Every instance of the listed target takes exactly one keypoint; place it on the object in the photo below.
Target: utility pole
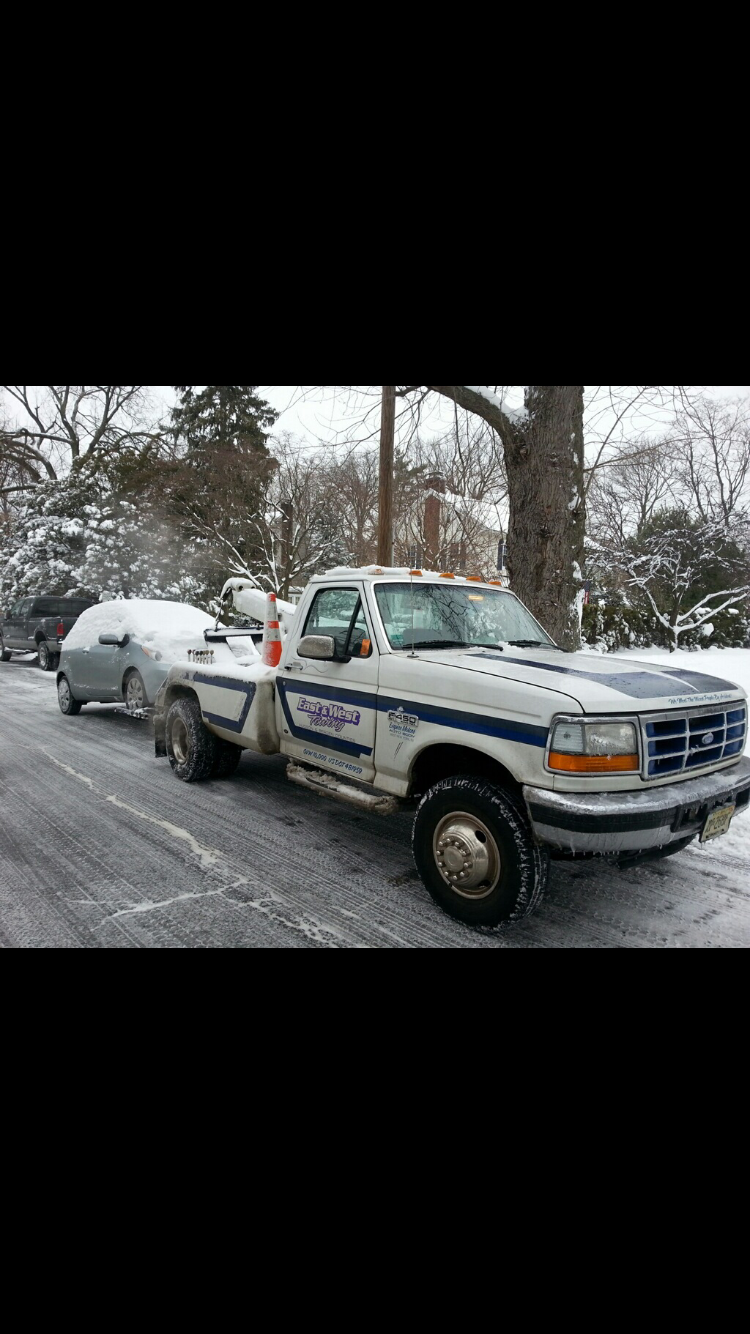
(385, 502)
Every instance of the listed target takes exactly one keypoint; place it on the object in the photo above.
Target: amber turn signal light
(592, 764)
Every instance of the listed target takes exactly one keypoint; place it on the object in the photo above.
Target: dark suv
(39, 625)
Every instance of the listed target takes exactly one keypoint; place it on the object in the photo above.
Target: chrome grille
(676, 743)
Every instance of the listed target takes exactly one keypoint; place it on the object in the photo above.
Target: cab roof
(373, 572)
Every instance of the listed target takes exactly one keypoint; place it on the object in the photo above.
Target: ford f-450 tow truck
(395, 684)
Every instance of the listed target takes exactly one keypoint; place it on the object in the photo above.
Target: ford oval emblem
(708, 738)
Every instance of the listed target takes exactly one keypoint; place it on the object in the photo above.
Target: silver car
(123, 650)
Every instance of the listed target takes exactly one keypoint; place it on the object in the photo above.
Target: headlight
(579, 747)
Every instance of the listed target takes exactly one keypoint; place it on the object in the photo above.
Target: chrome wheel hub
(466, 855)
(134, 694)
(180, 741)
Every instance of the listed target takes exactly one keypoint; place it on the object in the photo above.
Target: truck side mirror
(322, 648)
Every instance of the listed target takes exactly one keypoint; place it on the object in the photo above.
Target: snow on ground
(733, 664)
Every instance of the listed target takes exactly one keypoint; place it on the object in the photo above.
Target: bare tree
(452, 515)
(624, 497)
(57, 427)
(283, 538)
(353, 477)
(712, 441)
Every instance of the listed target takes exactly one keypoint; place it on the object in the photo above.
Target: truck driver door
(327, 711)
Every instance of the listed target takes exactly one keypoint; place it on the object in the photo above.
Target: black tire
(479, 833)
(55, 661)
(228, 757)
(134, 691)
(68, 705)
(4, 652)
(46, 659)
(191, 748)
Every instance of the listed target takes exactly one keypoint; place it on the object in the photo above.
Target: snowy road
(101, 846)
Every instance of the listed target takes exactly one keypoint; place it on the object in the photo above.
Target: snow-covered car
(123, 650)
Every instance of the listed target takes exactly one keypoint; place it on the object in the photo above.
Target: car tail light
(60, 630)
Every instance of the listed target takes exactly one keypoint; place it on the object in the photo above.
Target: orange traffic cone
(271, 650)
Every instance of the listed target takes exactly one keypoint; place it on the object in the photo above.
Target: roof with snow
(400, 572)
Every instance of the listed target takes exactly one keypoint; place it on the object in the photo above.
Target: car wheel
(65, 697)
(476, 854)
(46, 660)
(135, 691)
(4, 653)
(191, 748)
(228, 757)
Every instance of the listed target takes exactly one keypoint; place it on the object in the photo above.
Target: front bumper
(615, 822)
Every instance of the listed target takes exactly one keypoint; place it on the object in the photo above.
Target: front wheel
(4, 654)
(65, 698)
(191, 748)
(46, 660)
(476, 854)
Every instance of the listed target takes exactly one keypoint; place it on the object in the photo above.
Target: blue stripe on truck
(508, 729)
(225, 683)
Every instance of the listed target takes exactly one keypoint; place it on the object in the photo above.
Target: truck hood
(598, 684)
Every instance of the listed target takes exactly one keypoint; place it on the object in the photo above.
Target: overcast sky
(327, 412)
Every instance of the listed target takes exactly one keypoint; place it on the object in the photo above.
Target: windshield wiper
(533, 643)
(455, 643)
(440, 643)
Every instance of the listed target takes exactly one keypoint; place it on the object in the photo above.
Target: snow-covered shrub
(80, 536)
(615, 624)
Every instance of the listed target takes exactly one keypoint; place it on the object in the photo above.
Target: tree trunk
(544, 461)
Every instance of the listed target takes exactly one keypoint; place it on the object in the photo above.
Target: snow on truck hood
(598, 684)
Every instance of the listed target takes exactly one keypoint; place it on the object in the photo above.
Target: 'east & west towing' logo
(333, 717)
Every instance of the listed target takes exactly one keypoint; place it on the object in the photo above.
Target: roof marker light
(417, 572)
(447, 576)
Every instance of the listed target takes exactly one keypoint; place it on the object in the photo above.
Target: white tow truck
(397, 684)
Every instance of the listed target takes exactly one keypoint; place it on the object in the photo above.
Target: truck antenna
(411, 582)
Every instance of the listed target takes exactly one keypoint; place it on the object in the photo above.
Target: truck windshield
(455, 616)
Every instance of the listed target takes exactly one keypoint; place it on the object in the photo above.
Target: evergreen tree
(221, 468)
(223, 419)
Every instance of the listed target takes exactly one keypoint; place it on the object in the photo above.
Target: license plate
(717, 823)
